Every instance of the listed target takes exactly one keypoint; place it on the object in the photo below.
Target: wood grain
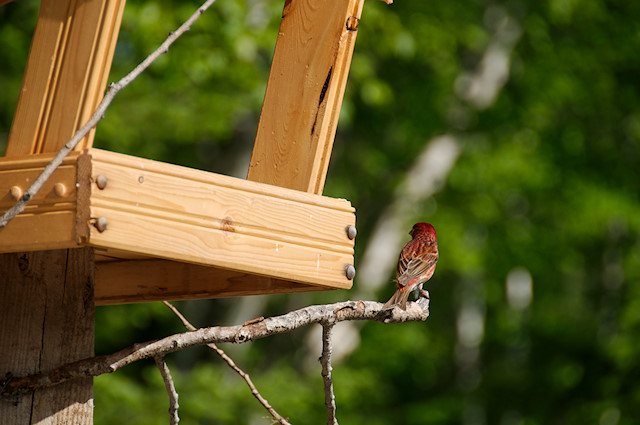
(50, 221)
(134, 281)
(256, 238)
(304, 94)
(171, 212)
(66, 74)
(47, 311)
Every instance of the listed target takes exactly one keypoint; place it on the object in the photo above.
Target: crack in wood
(325, 86)
(323, 93)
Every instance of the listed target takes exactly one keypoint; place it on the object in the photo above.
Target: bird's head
(423, 229)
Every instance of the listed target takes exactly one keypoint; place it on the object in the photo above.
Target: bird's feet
(424, 294)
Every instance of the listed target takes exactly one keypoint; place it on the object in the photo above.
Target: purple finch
(416, 264)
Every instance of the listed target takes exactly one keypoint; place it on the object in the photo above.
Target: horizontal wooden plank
(34, 161)
(121, 282)
(50, 219)
(176, 213)
(106, 157)
(171, 239)
(50, 194)
(40, 231)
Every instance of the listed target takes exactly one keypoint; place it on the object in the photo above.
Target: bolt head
(101, 181)
(351, 232)
(350, 271)
(101, 224)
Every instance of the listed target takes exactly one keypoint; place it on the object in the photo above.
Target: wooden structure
(111, 228)
(162, 231)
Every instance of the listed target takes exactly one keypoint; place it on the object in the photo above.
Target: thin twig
(252, 330)
(114, 88)
(233, 366)
(174, 419)
(325, 361)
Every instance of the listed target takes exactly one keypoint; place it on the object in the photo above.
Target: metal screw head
(101, 224)
(351, 232)
(101, 181)
(350, 271)
(352, 23)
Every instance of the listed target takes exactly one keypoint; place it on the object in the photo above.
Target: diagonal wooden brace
(66, 74)
(304, 93)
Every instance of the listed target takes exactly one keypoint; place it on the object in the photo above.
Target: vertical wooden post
(46, 297)
(46, 320)
(304, 93)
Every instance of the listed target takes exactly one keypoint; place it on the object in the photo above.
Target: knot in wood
(252, 329)
(243, 335)
(227, 224)
(349, 311)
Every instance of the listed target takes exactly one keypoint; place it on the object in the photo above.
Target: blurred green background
(513, 126)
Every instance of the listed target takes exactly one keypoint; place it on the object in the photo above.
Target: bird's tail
(399, 298)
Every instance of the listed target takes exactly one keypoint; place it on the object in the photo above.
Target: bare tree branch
(325, 361)
(233, 366)
(114, 88)
(174, 419)
(254, 329)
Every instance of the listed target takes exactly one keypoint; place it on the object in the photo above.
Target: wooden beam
(304, 93)
(66, 74)
(171, 212)
(134, 281)
(51, 220)
(257, 238)
(47, 316)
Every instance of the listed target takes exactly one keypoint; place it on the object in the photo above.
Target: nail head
(350, 271)
(101, 224)
(351, 232)
(101, 181)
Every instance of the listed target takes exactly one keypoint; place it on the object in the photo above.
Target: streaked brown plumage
(416, 264)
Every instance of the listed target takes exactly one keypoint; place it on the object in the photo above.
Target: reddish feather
(416, 264)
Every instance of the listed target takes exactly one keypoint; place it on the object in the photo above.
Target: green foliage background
(546, 186)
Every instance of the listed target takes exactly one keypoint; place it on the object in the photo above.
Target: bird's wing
(413, 267)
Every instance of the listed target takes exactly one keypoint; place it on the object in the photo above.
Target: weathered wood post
(47, 317)
(46, 297)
